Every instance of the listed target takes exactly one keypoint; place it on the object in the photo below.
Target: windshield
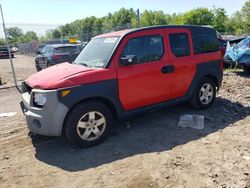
(97, 52)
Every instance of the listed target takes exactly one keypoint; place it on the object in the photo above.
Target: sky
(65, 11)
(42, 15)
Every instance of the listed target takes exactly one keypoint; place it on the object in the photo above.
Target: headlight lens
(39, 99)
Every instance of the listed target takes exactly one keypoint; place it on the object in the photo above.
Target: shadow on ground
(155, 131)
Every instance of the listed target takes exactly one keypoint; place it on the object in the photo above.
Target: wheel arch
(102, 100)
(214, 78)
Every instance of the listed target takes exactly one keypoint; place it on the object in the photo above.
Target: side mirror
(128, 60)
(38, 52)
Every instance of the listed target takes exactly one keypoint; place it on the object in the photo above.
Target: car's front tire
(204, 94)
(88, 124)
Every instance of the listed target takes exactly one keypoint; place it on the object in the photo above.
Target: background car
(40, 48)
(55, 54)
(4, 52)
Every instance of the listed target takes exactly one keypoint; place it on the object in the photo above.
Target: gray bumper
(47, 120)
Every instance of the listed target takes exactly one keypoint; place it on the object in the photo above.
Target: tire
(201, 100)
(246, 69)
(88, 124)
(38, 68)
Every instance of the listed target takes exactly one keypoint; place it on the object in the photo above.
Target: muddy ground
(149, 150)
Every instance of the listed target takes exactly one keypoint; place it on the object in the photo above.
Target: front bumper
(47, 120)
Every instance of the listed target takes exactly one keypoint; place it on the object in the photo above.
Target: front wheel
(204, 94)
(88, 124)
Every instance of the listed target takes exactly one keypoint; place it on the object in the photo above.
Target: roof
(127, 31)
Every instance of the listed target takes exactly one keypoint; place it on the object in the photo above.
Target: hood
(55, 76)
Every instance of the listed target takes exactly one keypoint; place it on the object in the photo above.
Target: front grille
(26, 88)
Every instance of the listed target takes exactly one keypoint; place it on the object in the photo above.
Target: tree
(246, 16)
(56, 34)
(150, 18)
(123, 18)
(236, 24)
(13, 34)
(29, 36)
(246, 10)
(220, 19)
(2, 41)
(199, 16)
(176, 19)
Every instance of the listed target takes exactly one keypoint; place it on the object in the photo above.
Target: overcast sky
(43, 15)
(64, 11)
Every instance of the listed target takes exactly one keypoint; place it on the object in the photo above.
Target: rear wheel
(88, 124)
(204, 94)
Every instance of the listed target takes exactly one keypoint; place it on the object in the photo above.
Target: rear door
(147, 81)
(182, 58)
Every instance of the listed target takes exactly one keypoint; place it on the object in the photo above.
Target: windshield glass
(97, 52)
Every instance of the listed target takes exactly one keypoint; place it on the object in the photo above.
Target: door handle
(167, 69)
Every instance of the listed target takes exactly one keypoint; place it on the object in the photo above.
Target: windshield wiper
(84, 64)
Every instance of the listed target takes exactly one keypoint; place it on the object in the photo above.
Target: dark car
(4, 52)
(56, 53)
(40, 48)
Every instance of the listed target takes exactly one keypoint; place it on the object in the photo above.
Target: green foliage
(84, 29)
(2, 41)
(14, 34)
(199, 16)
(150, 18)
(220, 19)
(29, 36)
(56, 34)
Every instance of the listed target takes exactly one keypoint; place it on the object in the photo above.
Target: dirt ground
(149, 150)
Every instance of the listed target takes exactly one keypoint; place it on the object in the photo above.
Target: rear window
(66, 49)
(205, 43)
(179, 44)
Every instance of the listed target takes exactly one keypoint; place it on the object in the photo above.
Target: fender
(211, 69)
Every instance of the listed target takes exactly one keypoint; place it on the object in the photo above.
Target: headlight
(39, 99)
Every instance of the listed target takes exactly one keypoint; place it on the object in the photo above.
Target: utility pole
(138, 25)
(7, 44)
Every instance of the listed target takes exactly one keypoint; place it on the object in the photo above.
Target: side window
(146, 49)
(179, 44)
(205, 43)
(47, 49)
(50, 50)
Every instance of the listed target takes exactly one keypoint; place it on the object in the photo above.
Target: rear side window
(66, 49)
(179, 44)
(205, 43)
(146, 49)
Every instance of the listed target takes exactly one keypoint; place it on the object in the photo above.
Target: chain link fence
(28, 38)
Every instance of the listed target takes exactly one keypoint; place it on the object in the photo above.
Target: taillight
(56, 57)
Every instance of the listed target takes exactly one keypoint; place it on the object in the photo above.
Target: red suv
(122, 73)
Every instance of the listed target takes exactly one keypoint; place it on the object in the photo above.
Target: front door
(148, 79)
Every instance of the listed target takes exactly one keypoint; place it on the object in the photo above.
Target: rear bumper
(47, 120)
